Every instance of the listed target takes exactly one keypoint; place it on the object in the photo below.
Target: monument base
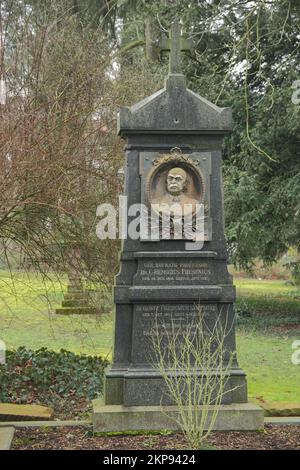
(119, 418)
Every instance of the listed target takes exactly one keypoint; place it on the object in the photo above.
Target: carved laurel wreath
(174, 158)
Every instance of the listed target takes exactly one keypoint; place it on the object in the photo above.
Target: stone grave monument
(173, 154)
(76, 300)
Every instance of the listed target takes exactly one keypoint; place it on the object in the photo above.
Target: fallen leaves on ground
(71, 438)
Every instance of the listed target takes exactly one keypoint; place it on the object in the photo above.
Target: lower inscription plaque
(167, 318)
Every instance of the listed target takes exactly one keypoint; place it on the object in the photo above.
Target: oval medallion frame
(156, 188)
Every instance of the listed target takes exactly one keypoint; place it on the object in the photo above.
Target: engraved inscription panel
(171, 316)
(174, 272)
(167, 318)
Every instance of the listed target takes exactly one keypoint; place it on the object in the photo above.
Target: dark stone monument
(173, 153)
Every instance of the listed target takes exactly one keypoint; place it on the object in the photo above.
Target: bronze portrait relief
(175, 185)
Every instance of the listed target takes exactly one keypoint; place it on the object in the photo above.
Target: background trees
(60, 154)
(68, 65)
(56, 143)
(246, 56)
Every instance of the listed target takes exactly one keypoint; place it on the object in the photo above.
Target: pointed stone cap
(174, 110)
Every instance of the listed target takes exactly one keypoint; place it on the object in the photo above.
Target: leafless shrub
(194, 361)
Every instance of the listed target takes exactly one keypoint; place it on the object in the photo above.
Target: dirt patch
(71, 438)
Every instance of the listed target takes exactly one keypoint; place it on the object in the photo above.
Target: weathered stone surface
(107, 418)
(274, 408)
(6, 437)
(77, 295)
(76, 311)
(76, 300)
(12, 412)
(46, 424)
(174, 109)
(74, 303)
(283, 421)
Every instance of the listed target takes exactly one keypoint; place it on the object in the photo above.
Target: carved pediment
(174, 109)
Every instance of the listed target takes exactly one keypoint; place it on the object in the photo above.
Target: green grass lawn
(265, 337)
(27, 318)
(267, 361)
(277, 298)
(254, 287)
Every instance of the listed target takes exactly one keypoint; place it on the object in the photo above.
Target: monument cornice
(175, 109)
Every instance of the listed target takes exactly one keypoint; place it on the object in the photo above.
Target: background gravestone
(76, 300)
(174, 128)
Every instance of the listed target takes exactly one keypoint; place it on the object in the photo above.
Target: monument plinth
(173, 154)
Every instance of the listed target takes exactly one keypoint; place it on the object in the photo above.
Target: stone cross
(175, 44)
